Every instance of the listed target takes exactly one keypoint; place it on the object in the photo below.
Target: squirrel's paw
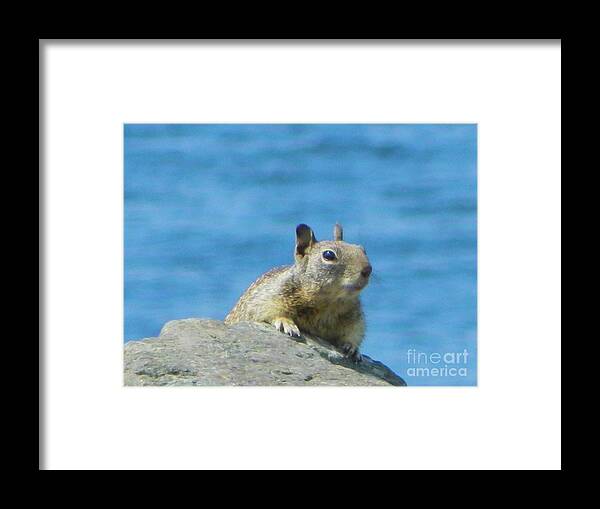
(351, 351)
(287, 326)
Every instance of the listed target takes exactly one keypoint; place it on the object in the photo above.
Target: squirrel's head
(334, 267)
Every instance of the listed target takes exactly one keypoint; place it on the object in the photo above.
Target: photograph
(300, 254)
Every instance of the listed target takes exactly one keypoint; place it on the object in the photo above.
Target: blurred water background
(208, 208)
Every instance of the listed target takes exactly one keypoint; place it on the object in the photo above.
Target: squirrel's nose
(366, 272)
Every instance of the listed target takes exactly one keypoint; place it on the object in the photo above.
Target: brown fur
(315, 295)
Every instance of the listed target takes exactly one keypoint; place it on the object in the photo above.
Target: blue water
(208, 208)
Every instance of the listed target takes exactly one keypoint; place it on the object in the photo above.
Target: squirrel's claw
(351, 352)
(287, 326)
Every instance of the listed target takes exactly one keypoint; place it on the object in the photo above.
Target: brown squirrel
(318, 295)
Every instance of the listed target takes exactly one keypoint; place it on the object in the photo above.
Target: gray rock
(209, 352)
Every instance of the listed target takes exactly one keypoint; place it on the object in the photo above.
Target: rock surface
(209, 352)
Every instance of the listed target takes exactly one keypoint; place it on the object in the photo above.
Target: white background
(512, 420)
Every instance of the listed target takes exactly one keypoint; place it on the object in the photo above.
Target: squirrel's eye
(329, 255)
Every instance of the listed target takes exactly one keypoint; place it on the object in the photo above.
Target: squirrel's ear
(305, 238)
(338, 232)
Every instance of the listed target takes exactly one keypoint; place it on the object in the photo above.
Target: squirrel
(317, 295)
